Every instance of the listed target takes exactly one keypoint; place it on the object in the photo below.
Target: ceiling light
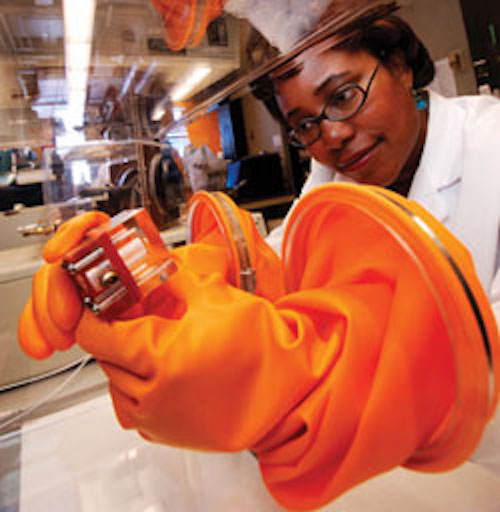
(77, 55)
(160, 109)
(78, 33)
(79, 20)
(181, 90)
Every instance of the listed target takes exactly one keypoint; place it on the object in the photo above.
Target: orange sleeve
(365, 362)
(328, 385)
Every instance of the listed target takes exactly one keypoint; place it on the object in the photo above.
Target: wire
(43, 376)
(26, 412)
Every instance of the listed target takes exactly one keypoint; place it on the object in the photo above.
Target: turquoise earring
(421, 99)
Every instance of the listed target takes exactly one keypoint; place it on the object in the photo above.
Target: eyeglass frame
(294, 140)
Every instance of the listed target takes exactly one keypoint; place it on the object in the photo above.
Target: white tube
(33, 407)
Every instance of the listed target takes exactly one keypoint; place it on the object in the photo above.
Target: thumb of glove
(71, 233)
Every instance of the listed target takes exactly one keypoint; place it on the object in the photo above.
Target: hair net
(285, 22)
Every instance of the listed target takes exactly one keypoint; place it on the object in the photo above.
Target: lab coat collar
(441, 164)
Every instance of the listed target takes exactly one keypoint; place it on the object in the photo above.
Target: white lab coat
(458, 181)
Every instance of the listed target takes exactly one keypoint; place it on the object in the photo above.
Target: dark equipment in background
(28, 195)
(482, 21)
(232, 130)
(255, 177)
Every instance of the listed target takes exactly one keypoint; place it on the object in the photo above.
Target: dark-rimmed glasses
(343, 104)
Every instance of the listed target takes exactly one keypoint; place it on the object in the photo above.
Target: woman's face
(378, 143)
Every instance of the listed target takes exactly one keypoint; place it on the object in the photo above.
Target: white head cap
(285, 22)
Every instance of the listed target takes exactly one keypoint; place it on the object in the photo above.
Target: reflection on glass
(97, 82)
(86, 88)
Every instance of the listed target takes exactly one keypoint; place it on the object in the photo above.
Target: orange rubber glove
(418, 391)
(52, 313)
(296, 380)
(49, 318)
(348, 375)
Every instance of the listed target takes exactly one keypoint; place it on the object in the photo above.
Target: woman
(358, 108)
(332, 383)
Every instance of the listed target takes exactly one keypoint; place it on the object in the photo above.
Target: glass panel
(98, 111)
(92, 92)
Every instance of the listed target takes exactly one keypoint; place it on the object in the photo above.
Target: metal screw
(70, 267)
(91, 305)
(109, 278)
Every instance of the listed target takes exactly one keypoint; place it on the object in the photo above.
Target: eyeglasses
(343, 104)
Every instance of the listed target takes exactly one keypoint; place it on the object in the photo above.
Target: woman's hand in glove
(217, 375)
(51, 314)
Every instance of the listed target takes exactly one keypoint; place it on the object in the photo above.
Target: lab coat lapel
(457, 181)
(441, 165)
(478, 208)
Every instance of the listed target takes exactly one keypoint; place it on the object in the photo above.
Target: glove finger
(29, 335)
(71, 233)
(131, 385)
(124, 407)
(130, 344)
(64, 302)
(44, 293)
